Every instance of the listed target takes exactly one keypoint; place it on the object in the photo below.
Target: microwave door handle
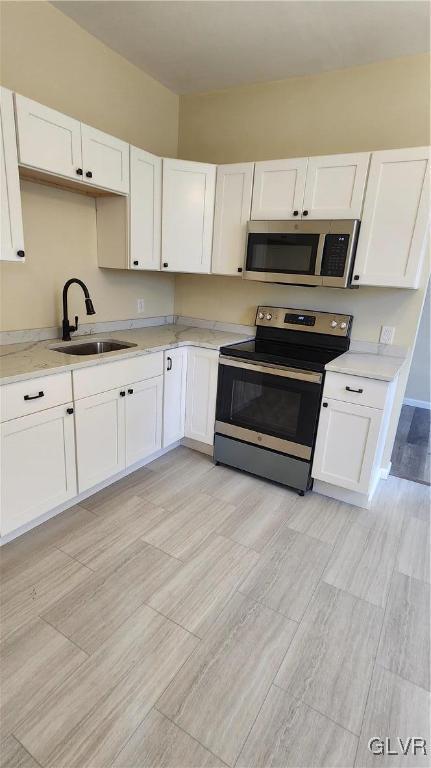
(319, 255)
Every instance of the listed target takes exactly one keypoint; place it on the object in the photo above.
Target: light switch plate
(141, 305)
(387, 334)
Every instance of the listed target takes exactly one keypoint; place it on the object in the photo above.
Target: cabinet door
(335, 186)
(47, 139)
(12, 236)
(145, 209)
(100, 437)
(105, 160)
(232, 212)
(202, 370)
(143, 419)
(38, 465)
(188, 213)
(174, 396)
(395, 221)
(346, 444)
(278, 188)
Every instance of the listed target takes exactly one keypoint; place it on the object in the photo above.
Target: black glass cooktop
(310, 358)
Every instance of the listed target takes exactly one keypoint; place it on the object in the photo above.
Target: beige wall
(46, 56)
(378, 106)
(384, 105)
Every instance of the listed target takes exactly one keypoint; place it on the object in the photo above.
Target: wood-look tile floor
(191, 615)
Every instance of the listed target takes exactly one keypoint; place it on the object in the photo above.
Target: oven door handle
(279, 370)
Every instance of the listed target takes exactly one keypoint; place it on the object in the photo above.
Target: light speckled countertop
(25, 361)
(372, 365)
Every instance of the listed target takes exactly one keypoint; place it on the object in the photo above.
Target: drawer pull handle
(358, 391)
(122, 393)
(34, 397)
(130, 391)
(169, 366)
(69, 411)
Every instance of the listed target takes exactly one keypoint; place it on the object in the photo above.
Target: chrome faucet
(67, 328)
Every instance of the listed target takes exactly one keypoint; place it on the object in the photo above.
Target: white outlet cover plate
(387, 334)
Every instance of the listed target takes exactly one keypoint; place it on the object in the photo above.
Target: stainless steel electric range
(269, 393)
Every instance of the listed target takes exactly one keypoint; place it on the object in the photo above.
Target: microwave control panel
(334, 255)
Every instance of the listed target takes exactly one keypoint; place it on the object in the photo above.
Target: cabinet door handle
(305, 213)
(324, 405)
(169, 368)
(295, 213)
(69, 411)
(21, 254)
(122, 393)
(136, 263)
(130, 391)
(34, 397)
(239, 269)
(89, 174)
(165, 264)
(79, 171)
(357, 391)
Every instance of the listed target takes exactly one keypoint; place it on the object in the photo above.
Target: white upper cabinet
(56, 143)
(232, 212)
(105, 160)
(188, 214)
(145, 209)
(395, 221)
(278, 189)
(335, 186)
(12, 236)
(47, 139)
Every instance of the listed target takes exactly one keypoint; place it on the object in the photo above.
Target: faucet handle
(76, 323)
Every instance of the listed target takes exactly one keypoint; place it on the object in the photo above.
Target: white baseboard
(417, 403)
(84, 495)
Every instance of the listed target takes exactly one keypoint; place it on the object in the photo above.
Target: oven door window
(293, 254)
(269, 404)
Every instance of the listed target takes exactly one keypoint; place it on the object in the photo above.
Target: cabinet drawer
(32, 395)
(105, 376)
(356, 389)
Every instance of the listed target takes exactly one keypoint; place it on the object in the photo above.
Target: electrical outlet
(141, 305)
(387, 334)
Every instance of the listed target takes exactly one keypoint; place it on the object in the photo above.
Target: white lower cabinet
(346, 445)
(174, 398)
(143, 419)
(202, 371)
(100, 439)
(38, 465)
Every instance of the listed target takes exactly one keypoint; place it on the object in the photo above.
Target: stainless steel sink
(93, 347)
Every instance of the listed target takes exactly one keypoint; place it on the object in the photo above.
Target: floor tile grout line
(168, 618)
(315, 709)
(406, 679)
(42, 618)
(385, 609)
(26, 750)
(84, 565)
(192, 737)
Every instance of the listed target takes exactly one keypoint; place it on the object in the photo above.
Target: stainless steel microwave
(302, 252)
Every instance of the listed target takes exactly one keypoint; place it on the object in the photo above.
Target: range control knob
(269, 316)
(334, 324)
(343, 325)
(261, 315)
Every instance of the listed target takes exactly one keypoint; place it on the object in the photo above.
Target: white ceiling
(205, 45)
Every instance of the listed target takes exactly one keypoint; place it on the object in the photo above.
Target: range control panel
(304, 320)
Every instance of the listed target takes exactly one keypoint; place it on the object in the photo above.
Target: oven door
(285, 256)
(274, 407)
